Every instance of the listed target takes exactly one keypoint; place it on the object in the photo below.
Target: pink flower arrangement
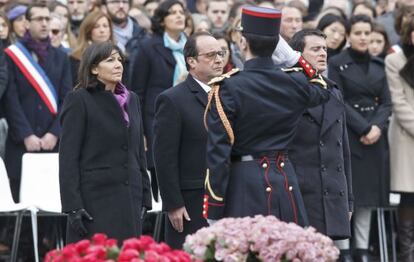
(103, 249)
(259, 238)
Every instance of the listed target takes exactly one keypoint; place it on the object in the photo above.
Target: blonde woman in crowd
(96, 27)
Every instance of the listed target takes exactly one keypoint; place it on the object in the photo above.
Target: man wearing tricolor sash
(39, 78)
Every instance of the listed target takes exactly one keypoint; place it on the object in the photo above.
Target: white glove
(284, 55)
(211, 221)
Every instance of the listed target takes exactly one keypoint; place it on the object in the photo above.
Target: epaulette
(308, 69)
(292, 69)
(218, 79)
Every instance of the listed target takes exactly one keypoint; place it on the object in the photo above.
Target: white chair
(8, 207)
(39, 188)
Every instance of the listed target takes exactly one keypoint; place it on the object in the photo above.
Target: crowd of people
(316, 100)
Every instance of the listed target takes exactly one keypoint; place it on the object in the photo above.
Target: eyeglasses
(55, 31)
(118, 2)
(214, 54)
(40, 19)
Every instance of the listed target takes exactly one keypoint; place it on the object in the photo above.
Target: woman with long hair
(102, 168)
(160, 65)
(4, 30)
(378, 41)
(334, 27)
(96, 27)
(368, 107)
(399, 69)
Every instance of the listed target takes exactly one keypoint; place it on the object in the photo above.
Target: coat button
(338, 120)
(268, 189)
(126, 183)
(339, 143)
(290, 188)
(339, 168)
(323, 168)
(264, 165)
(342, 193)
(326, 192)
(125, 166)
(125, 147)
(321, 143)
(282, 164)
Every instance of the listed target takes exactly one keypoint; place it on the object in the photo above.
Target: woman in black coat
(368, 106)
(103, 179)
(160, 63)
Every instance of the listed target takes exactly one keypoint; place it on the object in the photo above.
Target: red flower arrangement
(104, 249)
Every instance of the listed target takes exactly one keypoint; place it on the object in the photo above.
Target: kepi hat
(260, 21)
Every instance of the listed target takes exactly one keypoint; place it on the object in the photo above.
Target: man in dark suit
(33, 123)
(320, 151)
(251, 122)
(180, 139)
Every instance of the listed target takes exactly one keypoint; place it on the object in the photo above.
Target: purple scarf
(121, 94)
(39, 47)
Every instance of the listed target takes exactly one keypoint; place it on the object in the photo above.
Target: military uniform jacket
(367, 102)
(263, 105)
(321, 157)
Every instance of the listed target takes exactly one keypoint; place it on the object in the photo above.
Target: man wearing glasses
(180, 139)
(128, 33)
(39, 78)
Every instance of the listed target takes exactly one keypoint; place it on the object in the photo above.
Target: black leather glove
(75, 221)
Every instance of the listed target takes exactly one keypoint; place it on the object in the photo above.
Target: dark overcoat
(26, 112)
(367, 102)
(153, 73)
(263, 105)
(321, 157)
(102, 165)
(179, 154)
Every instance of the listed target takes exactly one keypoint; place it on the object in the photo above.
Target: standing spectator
(201, 23)
(96, 27)
(160, 65)
(32, 117)
(180, 139)
(400, 68)
(378, 41)
(368, 107)
(69, 39)
(218, 13)
(4, 30)
(391, 21)
(321, 154)
(334, 27)
(224, 43)
(57, 32)
(292, 21)
(127, 33)
(17, 18)
(364, 8)
(150, 6)
(78, 9)
(102, 168)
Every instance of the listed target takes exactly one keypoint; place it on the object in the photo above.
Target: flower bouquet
(102, 249)
(259, 238)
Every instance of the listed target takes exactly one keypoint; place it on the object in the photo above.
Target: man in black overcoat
(32, 126)
(320, 151)
(180, 139)
(252, 120)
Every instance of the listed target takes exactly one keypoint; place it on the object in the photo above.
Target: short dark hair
(358, 19)
(298, 40)
(160, 13)
(28, 14)
(93, 55)
(261, 46)
(190, 48)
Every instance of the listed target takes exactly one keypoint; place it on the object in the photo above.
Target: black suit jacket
(153, 73)
(179, 153)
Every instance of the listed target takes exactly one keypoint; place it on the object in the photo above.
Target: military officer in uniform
(320, 151)
(251, 119)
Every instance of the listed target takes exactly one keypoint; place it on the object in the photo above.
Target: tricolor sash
(34, 74)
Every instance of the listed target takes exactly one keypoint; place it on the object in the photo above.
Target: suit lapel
(163, 51)
(333, 110)
(197, 90)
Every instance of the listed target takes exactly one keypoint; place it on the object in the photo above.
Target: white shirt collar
(205, 87)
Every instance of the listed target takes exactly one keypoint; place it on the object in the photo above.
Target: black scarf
(407, 71)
